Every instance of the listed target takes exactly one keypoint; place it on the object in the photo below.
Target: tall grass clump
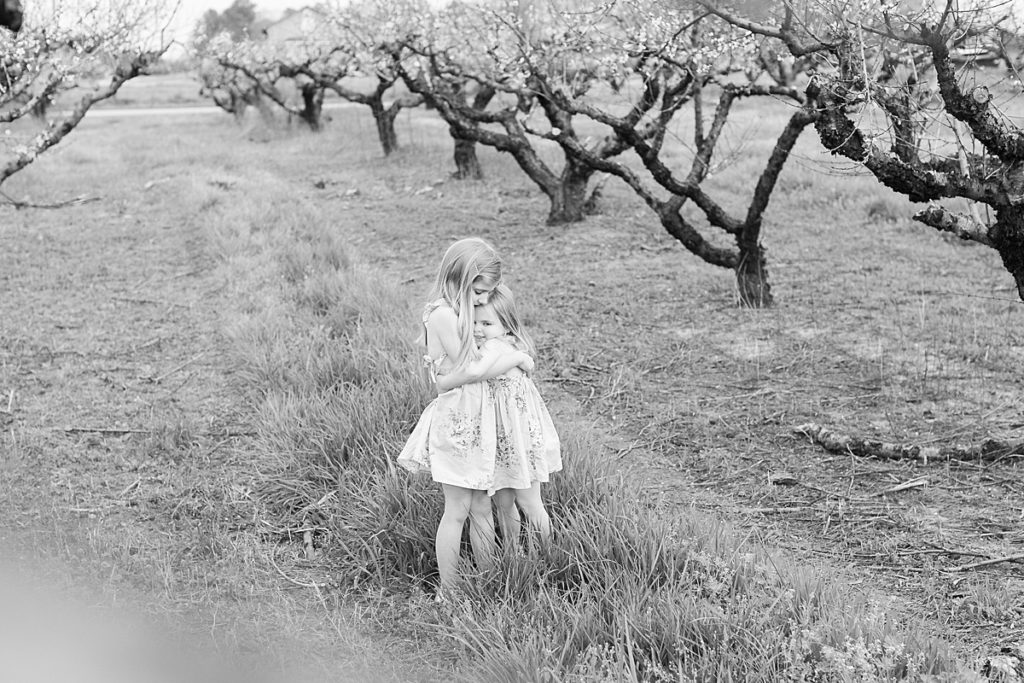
(330, 359)
(622, 593)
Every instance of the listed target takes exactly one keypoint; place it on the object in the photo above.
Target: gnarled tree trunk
(569, 198)
(312, 105)
(467, 166)
(752, 276)
(384, 118)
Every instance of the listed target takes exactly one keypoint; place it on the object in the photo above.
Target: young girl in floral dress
(456, 437)
(528, 448)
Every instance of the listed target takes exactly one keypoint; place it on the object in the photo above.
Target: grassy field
(207, 363)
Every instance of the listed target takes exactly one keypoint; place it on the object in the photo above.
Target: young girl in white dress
(528, 448)
(455, 439)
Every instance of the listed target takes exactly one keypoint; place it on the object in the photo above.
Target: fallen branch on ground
(106, 430)
(985, 563)
(80, 199)
(836, 442)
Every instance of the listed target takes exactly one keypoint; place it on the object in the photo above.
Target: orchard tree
(85, 52)
(339, 51)
(354, 36)
(472, 62)
(665, 60)
(273, 70)
(229, 88)
(600, 79)
(937, 133)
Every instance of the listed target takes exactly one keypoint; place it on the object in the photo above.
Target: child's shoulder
(514, 342)
(438, 311)
(506, 343)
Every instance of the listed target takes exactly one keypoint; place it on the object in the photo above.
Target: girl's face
(481, 292)
(486, 324)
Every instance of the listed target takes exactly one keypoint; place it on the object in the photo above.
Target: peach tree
(84, 52)
(935, 128)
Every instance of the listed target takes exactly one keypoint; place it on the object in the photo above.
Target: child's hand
(527, 364)
(445, 383)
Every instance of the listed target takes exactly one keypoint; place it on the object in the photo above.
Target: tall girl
(528, 448)
(456, 437)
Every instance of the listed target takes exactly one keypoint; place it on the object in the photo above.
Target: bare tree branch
(963, 226)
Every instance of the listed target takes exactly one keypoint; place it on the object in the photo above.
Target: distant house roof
(295, 26)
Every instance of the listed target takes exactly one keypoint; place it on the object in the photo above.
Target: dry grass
(283, 277)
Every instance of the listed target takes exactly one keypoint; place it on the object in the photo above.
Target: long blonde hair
(504, 305)
(466, 262)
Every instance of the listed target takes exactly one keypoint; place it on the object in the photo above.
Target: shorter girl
(528, 448)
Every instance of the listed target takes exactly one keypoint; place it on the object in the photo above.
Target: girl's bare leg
(508, 517)
(457, 504)
(481, 529)
(530, 503)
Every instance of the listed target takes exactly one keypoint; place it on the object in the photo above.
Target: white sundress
(455, 439)
(528, 447)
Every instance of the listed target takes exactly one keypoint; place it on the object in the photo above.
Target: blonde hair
(504, 305)
(466, 262)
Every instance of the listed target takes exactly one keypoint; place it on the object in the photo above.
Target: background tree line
(891, 86)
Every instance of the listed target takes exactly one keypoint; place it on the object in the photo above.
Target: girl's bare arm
(496, 358)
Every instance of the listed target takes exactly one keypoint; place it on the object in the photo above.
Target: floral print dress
(528, 448)
(455, 439)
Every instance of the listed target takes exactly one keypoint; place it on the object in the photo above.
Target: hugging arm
(496, 358)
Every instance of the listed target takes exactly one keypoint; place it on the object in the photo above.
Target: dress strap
(427, 310)
(432, 363)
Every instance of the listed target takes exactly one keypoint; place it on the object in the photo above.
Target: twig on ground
(151, 342)
(185, 381)
(622, 452)
(770, 511)
(216, 446)
(314, 586)
(138, 300)
(947, 551)
(986, 563)
(566, 379)
(179, 367)
(80, 199)
(588, 366)
(129, 488)
(106, 430)
(912, 483)
(10, 403)
(307, 545)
